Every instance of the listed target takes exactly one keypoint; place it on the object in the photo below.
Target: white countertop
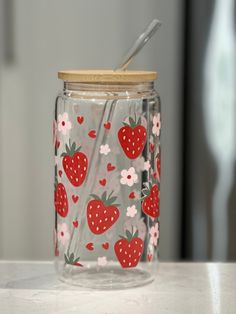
(32, 287)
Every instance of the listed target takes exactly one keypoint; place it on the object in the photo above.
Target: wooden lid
(107, 76)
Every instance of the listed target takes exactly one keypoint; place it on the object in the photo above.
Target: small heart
(75, 223)
(132, 195)
(75, 198)
(80, 119)
(155, 175)
(152, 148)
(103, 182)
(90, 246)
(107, 125)
(110, 167)
(149, 256)
(60, 173)
(92, 134)
(105, 245)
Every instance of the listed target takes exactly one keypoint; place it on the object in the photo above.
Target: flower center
(63, 123)
(155, 234)
(157, 124)
(129, 176)
(62, 233)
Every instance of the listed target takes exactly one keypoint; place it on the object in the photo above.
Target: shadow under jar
(107, 178)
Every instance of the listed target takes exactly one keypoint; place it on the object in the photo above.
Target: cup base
(107, 278)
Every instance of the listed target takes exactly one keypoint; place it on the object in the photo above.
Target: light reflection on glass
(220, 116)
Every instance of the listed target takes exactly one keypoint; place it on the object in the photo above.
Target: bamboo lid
(107, 76)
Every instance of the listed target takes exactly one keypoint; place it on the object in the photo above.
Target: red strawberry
(60, 200)
(150, 204)
(75, 164)
(132, 138)
(101, 214)
(129, 249)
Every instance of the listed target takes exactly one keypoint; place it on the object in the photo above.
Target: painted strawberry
(60, 199)
(102, 213)
(150, 204)
(132, 138)
(75, 164)
(129, 249)
(71, 260)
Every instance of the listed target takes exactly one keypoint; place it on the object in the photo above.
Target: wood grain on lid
(106, 76)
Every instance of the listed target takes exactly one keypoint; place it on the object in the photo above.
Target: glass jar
(107, 178)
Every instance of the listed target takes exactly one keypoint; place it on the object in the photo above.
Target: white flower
(154, 233)
(156, 124)
(105, 149)
(102, 261)
(129, 177)
(147, 165)
(63, 124)
(62, 233)
(131, 211)
(139, 164)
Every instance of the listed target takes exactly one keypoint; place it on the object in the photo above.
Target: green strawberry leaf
(71, 258)
(73, 147)
(128, 235)
(66, 259)
(139, 121)
(135, 234)
(94, 196)
(67, 150)
(104, 196)
(126, 124)
(76, 260)
(111, 200)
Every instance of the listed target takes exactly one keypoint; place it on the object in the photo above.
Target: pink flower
(63, 124)
(62, 233)
(128, 177)
(154, 233)
(147, 165)
(131, 211)
(156, 124)
(105, 149)
(102, 261)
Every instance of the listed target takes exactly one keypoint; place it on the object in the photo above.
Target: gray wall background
(52, 35)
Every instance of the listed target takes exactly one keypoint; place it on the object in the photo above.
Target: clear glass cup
(107, 180)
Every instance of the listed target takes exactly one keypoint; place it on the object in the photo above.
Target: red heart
(103, 182)
(105, 245)
(155, 175)
(92, 134)
(75, 198)
(80, 119)
(152, 148)
(89, 246)
(107, 125)
(110, 167)
(75, 223)
(57, 144)
(149, 256)
(60, 173)
(132, 195)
